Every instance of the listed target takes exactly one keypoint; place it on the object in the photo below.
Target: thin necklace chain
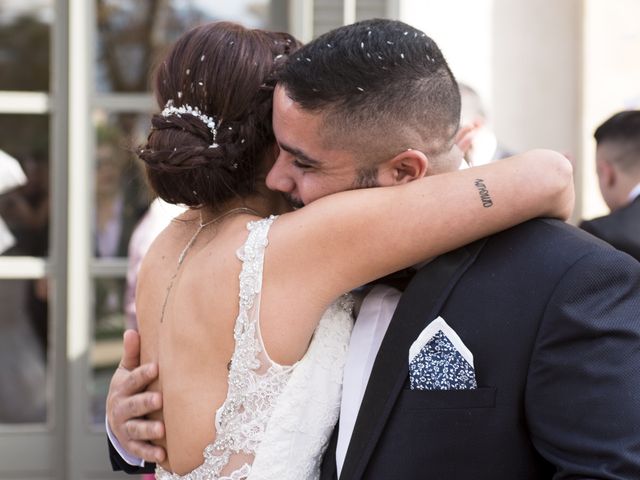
(190, 243)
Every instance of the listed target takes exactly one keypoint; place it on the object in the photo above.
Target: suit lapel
(419, 304)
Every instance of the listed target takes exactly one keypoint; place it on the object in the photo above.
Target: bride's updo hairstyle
(214, 90)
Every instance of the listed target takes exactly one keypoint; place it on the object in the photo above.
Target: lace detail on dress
(298, 432)
(256, 385)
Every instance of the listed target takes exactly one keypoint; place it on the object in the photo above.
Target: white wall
(611, 77)
(537, 81)
(462, 30)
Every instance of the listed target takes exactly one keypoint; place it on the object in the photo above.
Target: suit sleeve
(583, 388)
(585, 225)
(589, 227)
(118, 463)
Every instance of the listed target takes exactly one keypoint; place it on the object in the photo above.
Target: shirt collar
(635, 193)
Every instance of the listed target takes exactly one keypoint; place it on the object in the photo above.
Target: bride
(241, 302)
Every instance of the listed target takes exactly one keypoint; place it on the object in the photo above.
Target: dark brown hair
(383, 86)
(227, 72)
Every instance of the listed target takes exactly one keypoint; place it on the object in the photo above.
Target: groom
(550, 315)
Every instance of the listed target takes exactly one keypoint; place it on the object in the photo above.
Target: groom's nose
(279, 177)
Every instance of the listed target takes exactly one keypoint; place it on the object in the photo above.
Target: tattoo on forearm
(484, 193)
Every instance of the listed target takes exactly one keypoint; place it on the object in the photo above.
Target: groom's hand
(128, 403)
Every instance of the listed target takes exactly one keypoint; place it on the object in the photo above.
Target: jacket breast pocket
(419, 400)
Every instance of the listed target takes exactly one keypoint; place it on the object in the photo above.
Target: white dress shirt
(369, 330)
(126, 456)
(635, 193)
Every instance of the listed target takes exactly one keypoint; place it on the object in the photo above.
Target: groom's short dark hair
(383, 86)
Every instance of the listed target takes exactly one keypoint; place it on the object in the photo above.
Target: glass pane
(105, 354)
(25, 27)
(121, 193)
(371, 9)
(24, 211)
(121, 199)
(131, 33)
(23, 339)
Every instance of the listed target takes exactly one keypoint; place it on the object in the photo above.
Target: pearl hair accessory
(171, 109)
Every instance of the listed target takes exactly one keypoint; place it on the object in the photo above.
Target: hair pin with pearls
(171, 109)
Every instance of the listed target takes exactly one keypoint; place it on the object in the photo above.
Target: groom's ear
(606, 173)
(403, 168)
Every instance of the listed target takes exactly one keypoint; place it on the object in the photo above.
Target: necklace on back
(201, 225)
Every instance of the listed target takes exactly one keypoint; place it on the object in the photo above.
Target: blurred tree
(24, 54)
(131, 37)
(132, 34)
(127, 31)
(24, 63)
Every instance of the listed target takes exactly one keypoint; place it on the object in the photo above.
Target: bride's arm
(345, 240)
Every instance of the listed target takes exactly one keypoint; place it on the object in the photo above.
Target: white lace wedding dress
(276, 420)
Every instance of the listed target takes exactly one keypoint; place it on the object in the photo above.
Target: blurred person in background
(482, 145)
(120, 202)
(156, 218)
(23, 303)
(618, 168)
(118, 210)
(26, 211)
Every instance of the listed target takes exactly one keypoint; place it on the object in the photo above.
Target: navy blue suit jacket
(552, 317)
(620, 228)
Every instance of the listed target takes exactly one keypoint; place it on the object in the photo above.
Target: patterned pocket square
(438, 360)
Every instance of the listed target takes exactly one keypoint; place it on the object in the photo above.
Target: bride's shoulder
(163, 245)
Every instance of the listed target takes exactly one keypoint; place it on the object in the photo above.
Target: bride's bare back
(194, 343)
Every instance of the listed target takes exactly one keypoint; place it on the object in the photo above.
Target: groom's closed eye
(300, 159)
(301, 164)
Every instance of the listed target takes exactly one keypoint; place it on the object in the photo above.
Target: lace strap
(252, 256)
